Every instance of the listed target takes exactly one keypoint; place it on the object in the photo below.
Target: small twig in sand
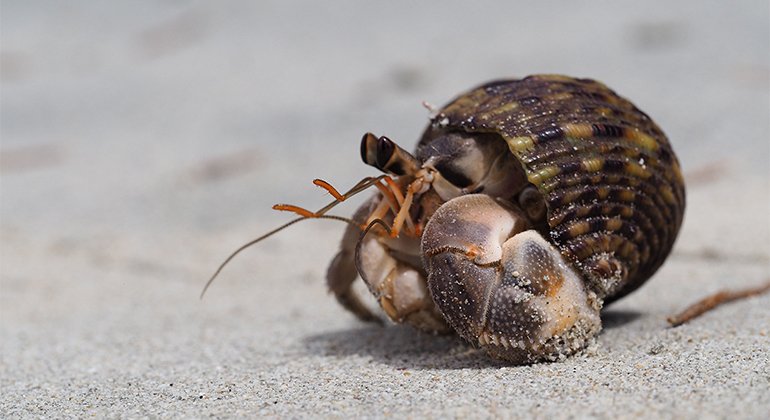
(710, 302)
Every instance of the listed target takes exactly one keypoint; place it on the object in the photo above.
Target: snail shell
(611, 183)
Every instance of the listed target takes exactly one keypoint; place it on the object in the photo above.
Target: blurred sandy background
(142, 141)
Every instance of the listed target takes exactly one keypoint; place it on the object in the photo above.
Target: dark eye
(385, 149)
(453, 174)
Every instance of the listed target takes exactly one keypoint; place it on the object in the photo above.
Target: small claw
(342, 272)
(399, 288)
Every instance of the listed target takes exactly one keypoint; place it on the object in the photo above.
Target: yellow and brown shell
(611, 183)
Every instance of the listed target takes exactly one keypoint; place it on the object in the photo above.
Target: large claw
(501, 285)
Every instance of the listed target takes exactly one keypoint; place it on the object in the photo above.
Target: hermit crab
(528, 205)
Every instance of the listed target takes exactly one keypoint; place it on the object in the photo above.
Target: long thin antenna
(305, 214)
(265, 236)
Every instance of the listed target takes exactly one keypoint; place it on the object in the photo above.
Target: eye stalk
(385, 155)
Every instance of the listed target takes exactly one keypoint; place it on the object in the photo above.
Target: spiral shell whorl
(612, 185)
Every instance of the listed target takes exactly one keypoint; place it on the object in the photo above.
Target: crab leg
(403, 214)
(338, 198)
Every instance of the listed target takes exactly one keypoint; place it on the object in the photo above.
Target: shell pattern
(612, 185)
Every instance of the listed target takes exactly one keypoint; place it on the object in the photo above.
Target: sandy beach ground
(143, 141)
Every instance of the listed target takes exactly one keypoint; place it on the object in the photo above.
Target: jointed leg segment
(393, 200)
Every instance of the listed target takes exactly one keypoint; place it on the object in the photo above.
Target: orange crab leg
(329, 188)
(403, 214)
(395, 189)
(389, 196)
(379, 212)
(295, 209)
(403, 206)
(393, 200)
(338, 198)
